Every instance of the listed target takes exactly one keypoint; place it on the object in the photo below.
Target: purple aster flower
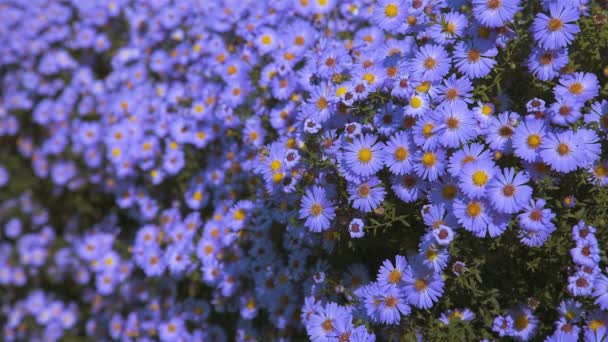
(322, 324)
(472, 60)
(316, 209)
(367, 195)
(565, 110)
(450, 316)
(508, 192)
(475, 177)
(557, 29)
(494, 13)
(390, 14)
(582, 86)
(457, 124)
(527, 139)
(546, 64)
(392, 274)
(536, 217)
(364, 155)
(524, 323)
(409, 187)
(431, 62)
(355, 228)
(503, 325)
(399, 153)
(392, 305)
(561, 152)
(430, 164)
(478, 217)
(580, 284)
(422, 287)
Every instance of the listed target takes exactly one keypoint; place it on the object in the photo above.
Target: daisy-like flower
(422, 287)
(399, 153)
(508, 192)
(367, 195)
(524, 323)
(267, 40)
(316, 209)
(527, 139)
(557, 29)
(476, 176)
(457, 125)
(565, 110)
(536, 217)
(355, 228)
(450, 316)
(494, 13)
(561, 151)
(466, 155)
(390, 14)
(392, 305)
(478, 217)
(581, 86)
(503, 325)
(393, 274)
(431, 62)
(425, 132)
(500, 130)
(322, 324)
(546, 64)
(571, 310)
(430, 165)
(454, 91)
(451, 26)
(472, 60)
(418, 105)
(364, 155)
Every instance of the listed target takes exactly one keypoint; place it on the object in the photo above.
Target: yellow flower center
(365, 155)
(555, 24)
(576, 88)
(427, 129)
(533, 141)
(474, 209)
(316, 209)
(430, 63)
(275, 165)
(321, 103)
(595, 324)
(369, 77)
(239, 215)
(521, 322)
(486, 110)
(600, 171)
(415, 102)
(391, 10)
(563, 149)
(266, 39)
(401, 153)
(420, 285)
(480, 178)
(429, 159)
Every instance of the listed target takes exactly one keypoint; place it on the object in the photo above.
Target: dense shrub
(351, 170)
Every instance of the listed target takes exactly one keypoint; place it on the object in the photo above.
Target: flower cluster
(189, 170)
